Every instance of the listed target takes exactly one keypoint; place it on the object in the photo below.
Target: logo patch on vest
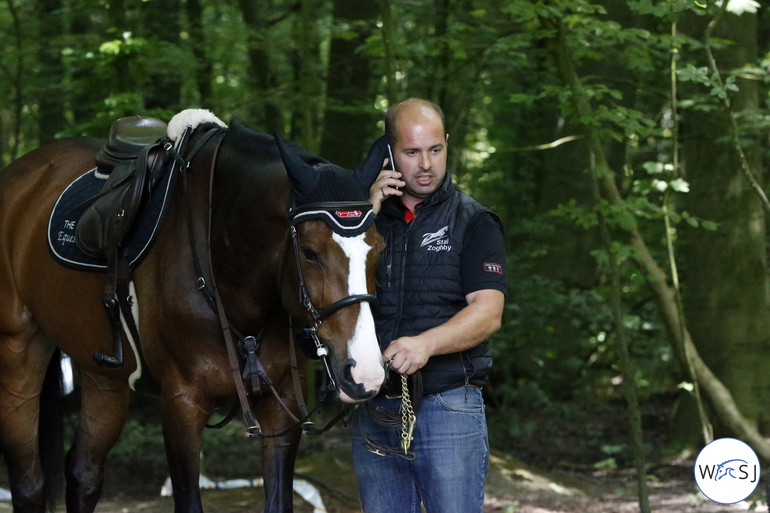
(493, 268)
(436, 241)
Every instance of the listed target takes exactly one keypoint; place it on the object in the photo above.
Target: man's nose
(424, 161)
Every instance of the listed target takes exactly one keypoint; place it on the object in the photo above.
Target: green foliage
(140, 441)
(667, 10)
(227, 453)
(493, 67)
(140, 452)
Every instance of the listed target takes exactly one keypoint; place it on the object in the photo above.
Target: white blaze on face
(363, 348)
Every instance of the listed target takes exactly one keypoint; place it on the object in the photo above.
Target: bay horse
(255, 215)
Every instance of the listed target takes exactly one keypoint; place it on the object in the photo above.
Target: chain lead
(408, 418)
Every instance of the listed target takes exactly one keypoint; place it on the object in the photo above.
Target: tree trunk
(203, 66)
(349, 106)
(388, 41)
(308, 89)
(82, 75)
(50, 107)
(17, 75)
(726, 298)
(262, 109)
(161, 24)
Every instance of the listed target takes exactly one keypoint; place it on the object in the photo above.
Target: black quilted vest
(418, 281)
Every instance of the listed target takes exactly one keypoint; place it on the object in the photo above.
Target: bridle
(296, 216)
(250, 344)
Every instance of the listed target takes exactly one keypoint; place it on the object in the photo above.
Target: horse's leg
(103, 412)
(24, 358)
(278, 454)
(184, 418)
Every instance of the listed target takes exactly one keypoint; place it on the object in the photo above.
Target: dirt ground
(512, 487)
(555, 474)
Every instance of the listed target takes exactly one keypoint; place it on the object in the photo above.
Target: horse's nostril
(347, 372)
(349, 384)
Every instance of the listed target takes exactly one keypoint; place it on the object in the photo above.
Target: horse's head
(334, 256)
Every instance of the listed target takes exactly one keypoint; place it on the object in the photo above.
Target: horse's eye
(309, 255)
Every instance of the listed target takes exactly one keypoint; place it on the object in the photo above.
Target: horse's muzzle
(357, 391)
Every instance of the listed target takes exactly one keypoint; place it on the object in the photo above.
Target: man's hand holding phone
(388, 183)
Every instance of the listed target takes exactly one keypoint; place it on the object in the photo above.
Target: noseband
(314, 211)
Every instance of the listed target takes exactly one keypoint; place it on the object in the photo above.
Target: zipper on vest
(403, 277)
(389, 257)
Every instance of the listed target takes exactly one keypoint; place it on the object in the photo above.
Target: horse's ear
(303, 177)
(370, 168)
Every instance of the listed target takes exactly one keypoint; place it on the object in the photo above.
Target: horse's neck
(249, 230)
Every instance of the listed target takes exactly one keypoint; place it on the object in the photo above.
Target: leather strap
(295, 373)
(252, 425)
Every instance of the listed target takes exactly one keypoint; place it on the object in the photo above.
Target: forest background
(623, 143)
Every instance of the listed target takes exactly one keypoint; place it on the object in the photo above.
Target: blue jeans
(452, 448)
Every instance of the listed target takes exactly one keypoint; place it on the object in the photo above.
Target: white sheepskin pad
(191, 118)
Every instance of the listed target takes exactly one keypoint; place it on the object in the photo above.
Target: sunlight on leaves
(739, 7)
(680, 185)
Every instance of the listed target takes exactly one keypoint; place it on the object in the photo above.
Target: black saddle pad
(75, 200)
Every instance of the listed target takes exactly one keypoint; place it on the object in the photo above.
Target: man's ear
(446, 141)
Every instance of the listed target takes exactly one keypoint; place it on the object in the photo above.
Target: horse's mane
(333, 183)
(239, 134)
(244, 136)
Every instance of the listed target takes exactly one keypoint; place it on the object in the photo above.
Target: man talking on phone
(441, 284)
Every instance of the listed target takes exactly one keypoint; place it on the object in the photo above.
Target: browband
(348, 218)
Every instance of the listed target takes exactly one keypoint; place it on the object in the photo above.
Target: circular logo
(727, 470)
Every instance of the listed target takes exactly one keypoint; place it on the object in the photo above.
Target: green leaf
(111, 47)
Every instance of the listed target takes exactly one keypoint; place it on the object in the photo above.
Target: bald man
(441, 284)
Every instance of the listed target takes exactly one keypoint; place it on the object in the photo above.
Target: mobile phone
(390, 155)
(392, 161)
